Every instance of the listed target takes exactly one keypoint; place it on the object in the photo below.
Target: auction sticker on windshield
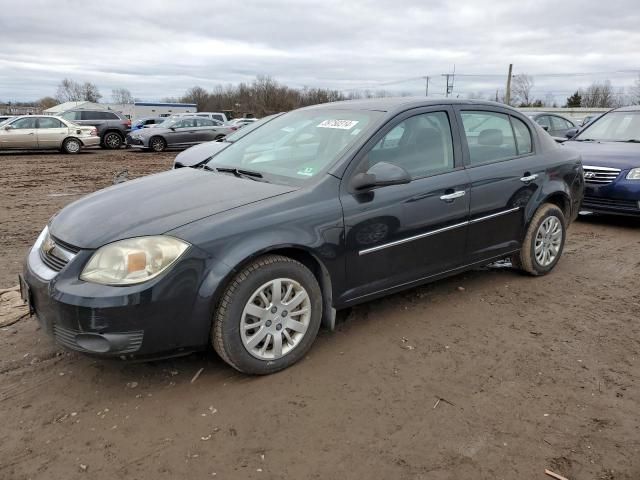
(341, 124)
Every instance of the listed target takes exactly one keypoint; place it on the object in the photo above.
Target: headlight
(132, 261)
(634, 174)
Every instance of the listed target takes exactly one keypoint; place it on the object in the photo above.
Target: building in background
(12, 109)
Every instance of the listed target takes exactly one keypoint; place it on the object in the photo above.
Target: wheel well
(561, 201)
(112, 130)
(300, 255)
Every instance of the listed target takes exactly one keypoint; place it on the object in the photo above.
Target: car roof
(391, 104)
(630, 108)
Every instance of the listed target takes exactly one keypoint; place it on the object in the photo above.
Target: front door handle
(449, 197)
(529, 178)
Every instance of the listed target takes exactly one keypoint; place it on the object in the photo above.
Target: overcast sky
(160, 48)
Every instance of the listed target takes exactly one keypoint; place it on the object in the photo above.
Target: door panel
(51, 132)
(400, 234)
(22, 135)
(504, 172)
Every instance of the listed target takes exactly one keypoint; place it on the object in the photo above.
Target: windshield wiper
(633, 140)
(585, 140)
(240, 172)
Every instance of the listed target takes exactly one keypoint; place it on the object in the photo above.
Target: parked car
(588, 119)
(219, 116)
(254, 251)
(112, 127)
(146, 122)
(610, 149)
(35, 132)
(556, 125)
(197, 155)
(177, 132)
(241, 122)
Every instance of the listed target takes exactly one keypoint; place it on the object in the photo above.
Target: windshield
(238, 134)
(169, 122)
(613, 127)
(298, 145)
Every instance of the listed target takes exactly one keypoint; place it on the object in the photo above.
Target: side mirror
(545, 128)
(571, 133)
(8, 127)
(380, 175)
(173, 129)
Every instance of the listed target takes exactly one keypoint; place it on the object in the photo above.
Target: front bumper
(620, 197)
(137, 142)
(165, 316)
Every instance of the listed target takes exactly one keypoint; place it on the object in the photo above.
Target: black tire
(112, 140)
(226, 336)
(71, 146)
(157, 144)
(526, 259)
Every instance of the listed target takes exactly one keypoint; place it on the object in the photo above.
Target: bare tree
(71, 91)
(521, 87)
(121, 96)
(635, 92)
(47, 102)
(197, 95)
(598, 95)
(90, 92)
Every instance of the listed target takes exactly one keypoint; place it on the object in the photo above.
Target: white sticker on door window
(340, 124)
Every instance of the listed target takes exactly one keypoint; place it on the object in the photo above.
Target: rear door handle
(452, 196)
(529, 178)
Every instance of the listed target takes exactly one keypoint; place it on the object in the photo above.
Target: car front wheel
(544, 242)
(268, 316)
(157, 144)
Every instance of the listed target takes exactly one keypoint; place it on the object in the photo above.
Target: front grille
(55, 253)
(600, 175)
(611, 203)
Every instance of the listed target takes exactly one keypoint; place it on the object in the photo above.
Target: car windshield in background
(298, 145)
(613, 127)
(168, 123)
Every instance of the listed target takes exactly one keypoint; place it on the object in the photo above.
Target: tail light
(94, 132)
(233, 128)
(127, 123)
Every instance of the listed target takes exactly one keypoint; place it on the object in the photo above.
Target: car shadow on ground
(610, 220)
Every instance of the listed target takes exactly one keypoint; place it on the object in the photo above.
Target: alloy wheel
(548, 241)
(275, 319)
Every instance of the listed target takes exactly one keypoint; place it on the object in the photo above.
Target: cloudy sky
(159, 48)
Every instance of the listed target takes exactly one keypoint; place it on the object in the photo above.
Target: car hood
(154, 205)
(194, 155)
(607, 154)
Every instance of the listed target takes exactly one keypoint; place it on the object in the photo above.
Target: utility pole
(507, 95)
(450, 84)
(426, 89)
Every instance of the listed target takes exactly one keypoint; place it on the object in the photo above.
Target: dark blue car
(610, 149)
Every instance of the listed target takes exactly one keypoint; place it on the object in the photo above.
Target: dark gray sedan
(178, 132)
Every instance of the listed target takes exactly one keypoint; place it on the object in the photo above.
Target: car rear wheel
(157, 144)
(268, 316)
(112, 140)
(544, 242)
(71, 145)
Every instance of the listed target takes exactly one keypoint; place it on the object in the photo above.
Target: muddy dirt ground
(532, 373)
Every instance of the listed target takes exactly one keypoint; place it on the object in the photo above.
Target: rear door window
(44, 122)
(489, 136)
(523, 136)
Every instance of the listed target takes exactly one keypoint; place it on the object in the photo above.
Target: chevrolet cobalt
(321, 208)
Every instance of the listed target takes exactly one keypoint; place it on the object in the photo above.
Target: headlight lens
(132, 261)
(634, 174)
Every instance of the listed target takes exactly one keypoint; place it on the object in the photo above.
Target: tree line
(265, 95)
